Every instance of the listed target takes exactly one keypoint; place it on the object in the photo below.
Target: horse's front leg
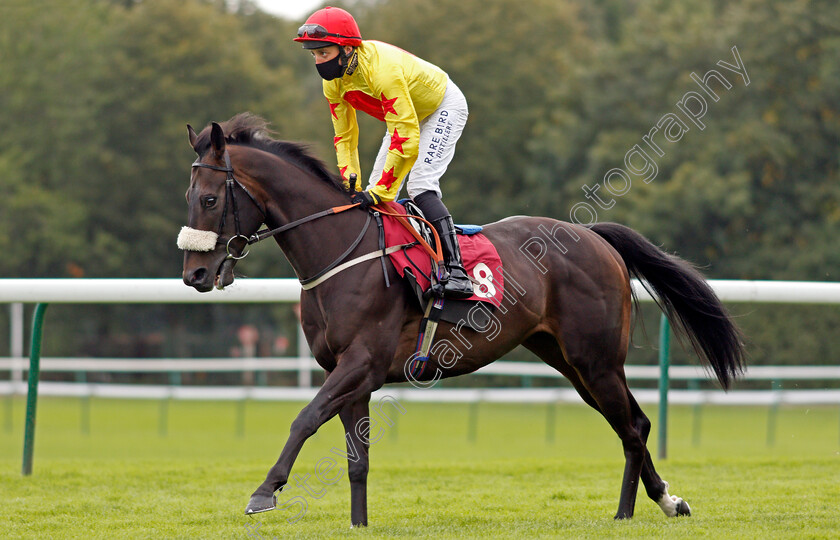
(349, 381)
(358, 457)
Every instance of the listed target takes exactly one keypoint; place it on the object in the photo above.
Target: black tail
(683, 294)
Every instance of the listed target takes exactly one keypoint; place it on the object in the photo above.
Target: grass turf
(138, 469)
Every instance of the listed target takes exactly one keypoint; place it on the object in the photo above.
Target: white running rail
(145, 291)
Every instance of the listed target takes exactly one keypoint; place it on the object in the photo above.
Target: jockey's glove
(365, 199)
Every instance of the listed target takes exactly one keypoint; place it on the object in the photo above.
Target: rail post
(32, 394)
(664, 364)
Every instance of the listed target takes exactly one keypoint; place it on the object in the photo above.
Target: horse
(571, 306)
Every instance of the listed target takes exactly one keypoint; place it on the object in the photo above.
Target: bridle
(336, 266)
(230, 194)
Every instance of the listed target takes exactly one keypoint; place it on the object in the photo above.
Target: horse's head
(222, 214)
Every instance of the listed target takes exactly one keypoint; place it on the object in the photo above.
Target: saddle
(481, 261)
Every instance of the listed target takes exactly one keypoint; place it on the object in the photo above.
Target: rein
(230, 182)
(334, 267)
(437, 253)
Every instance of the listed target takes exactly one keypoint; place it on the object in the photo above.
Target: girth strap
(381, 227)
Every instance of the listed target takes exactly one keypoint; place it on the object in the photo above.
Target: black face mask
(331, 69)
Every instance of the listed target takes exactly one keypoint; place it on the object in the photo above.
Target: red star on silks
(335, 140)
(387, 179)
(341, 171)
(388, 105)
(332, 109)
(397, 141)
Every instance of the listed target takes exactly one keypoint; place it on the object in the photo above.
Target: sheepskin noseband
(190, 239)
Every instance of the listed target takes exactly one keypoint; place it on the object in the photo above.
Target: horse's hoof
(261, 503)
(682, 508)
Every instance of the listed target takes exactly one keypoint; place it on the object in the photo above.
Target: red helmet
(328, 26)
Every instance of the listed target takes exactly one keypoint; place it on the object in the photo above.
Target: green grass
(127, 479)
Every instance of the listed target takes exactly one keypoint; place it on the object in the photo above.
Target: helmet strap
(351, 60)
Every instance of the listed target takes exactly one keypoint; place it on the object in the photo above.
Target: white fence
(286, 290)
(505, 395)
(173, 291)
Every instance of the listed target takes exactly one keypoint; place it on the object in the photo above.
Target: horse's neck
(294, 194)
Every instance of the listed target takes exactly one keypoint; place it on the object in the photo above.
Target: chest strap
(310, 284)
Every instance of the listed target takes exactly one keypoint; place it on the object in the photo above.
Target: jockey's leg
(456, 283)
(439, 133)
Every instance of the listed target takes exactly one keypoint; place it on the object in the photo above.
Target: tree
(503, 55)
(754, 188)
(49, 65)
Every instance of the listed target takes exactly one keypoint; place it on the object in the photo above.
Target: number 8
(482, 273)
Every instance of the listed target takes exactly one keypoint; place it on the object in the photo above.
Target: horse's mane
(247, 129)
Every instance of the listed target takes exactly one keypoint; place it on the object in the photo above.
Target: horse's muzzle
(199, 279)
(203, 280)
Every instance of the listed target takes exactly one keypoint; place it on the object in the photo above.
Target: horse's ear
(217, 140)
(193, 136)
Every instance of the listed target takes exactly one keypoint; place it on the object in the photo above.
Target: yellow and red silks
(395, 87)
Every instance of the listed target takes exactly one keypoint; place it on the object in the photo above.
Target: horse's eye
(209, 202)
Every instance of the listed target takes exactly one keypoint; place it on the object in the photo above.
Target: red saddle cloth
(481, 260)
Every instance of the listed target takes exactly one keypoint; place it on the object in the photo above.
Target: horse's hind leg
(601, 384)
(609, 390)
(656, 488)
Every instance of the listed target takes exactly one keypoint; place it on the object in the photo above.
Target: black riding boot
(457, 284)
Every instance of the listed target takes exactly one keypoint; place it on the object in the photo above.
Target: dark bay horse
(569, 300)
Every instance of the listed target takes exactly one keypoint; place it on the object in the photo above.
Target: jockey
(424, 113)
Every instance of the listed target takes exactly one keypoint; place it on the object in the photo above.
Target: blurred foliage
(95, 96)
